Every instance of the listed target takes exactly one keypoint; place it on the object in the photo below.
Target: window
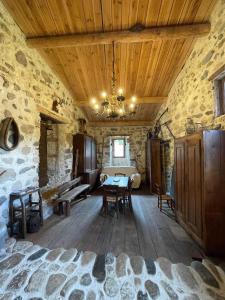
(221, 95)
(219, 87)
(119, 148)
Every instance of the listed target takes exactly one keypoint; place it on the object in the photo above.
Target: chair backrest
(157, 189)
(103, 178)
(120, 174)
(130, 181)
(110, 190)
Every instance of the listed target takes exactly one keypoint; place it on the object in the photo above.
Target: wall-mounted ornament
(82, 125)
(9, 134)
(190, 126)
(55, 104)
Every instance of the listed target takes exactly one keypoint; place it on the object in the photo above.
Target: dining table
(122, 182)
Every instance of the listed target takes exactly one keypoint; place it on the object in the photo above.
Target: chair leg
(124, 205)
(117, 209)
(11, 213)
(130, 203)
(106, 208)
(24, 225)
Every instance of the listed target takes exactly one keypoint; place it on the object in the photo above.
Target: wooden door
(193, 185)
(148, 165)
(88, 160)
(179, 158)
(156, 167)
(78, 149)
(43, 155)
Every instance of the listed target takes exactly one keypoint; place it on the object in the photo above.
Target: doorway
(48, 151)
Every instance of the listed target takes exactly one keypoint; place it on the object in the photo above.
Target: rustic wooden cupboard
(200, 188)
(154, 168)
(87, 162)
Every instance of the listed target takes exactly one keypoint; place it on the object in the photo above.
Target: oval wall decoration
(9, 134)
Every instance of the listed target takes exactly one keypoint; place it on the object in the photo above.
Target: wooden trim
(122, 36)
(57, 118)
(119, 123)
(140, 100)
(219, 72)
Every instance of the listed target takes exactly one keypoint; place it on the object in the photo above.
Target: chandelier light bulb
(133, 99)
(132, 105)
(121, 111)
(104, 94)
(96, 106)
(120, 91)
(93, 100)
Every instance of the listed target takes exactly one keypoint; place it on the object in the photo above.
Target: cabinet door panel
(88, 153)
(179, 156)
(93, 155)
(193, 186)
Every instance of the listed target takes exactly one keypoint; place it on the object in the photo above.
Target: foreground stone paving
(29, 271)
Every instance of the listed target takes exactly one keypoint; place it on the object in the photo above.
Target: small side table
(27, 205)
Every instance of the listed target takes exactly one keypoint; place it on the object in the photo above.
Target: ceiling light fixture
(113, 105)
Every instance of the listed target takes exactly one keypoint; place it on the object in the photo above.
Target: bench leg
(67, 208)
(60, 208)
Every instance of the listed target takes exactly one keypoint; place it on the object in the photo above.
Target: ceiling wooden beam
(119, 123)
(140, 100)
(122, 36)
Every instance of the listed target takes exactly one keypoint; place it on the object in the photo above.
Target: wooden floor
(147, 232)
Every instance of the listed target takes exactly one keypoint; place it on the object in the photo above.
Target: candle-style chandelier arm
(113, 105)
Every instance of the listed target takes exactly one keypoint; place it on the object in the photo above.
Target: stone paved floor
(29, 271)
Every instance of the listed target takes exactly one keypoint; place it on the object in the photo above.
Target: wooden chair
(111, 195)
(127, 195)
(163, 197)
(103, 178)
(120, 174)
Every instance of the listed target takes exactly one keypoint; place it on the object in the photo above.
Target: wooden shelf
(52, 115)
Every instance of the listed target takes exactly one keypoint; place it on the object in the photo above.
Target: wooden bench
(68, 191)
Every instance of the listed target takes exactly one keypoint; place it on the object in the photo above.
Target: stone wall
(192, 95)
(25, 81)
(137, 140)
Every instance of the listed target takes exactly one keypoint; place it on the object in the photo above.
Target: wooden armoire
(154, 165)
(85, 146)
(200, 188)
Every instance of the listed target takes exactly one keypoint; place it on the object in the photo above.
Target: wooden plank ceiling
(146, 69)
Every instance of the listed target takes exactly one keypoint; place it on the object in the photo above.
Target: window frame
(218, 79)
(113, 147)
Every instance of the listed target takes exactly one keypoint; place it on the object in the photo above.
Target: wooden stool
(21, 212)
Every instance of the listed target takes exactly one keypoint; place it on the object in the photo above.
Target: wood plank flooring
(147, 232)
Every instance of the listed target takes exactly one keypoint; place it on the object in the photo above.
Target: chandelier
(112, 106)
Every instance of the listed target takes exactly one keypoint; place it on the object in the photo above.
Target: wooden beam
(119, 123)
(57, 118)
(140, 100)
(122, 36)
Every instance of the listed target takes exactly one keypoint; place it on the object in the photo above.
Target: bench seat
(70, 195)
